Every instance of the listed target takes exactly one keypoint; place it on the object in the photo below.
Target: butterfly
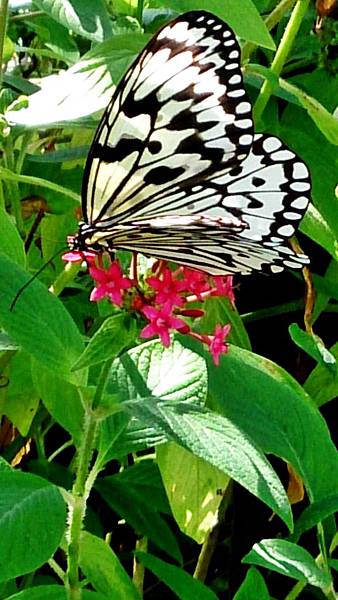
(175, 170)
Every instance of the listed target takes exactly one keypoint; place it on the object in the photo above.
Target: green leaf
(83, 89)
(20, 400)
(114, 335)
(299, 132)
(325, 121)
(253, 587)
(221, 310)
(317, 229)
(4, 465)
(11, 243)
(104, 570)
(55, 37)
(242, 16)
(52, 592)
(321, 384)
(181, 583)
(136, 501)
(314, 514)
(288, 559)
(267, 404)
(61, 398)
(78, 16)
(32, 532)
(313, 345)
(218, 441)
(195, 489)
(38, 321)
(173, 373)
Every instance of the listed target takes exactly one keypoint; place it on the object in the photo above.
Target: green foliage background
(144, 447)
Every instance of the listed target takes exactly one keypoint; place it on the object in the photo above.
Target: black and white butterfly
(175, 170)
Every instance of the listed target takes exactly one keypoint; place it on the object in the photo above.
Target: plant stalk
(3, 28)
(83, 484)
(78, 508)
(281, 55)
(270, 21)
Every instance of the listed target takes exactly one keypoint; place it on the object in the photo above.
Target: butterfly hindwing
(180, 113)
(236, 222)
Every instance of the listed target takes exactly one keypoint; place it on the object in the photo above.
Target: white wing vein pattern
(175, 170)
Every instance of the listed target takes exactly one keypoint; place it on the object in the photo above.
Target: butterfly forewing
(175, 172)
(180, 114)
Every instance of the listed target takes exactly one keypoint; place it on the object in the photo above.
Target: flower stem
(281, 55)
(62, 280)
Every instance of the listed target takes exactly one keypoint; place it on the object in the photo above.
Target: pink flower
(111, 283)
(224, 286)
(167, 288)
(195, 282)
(217, 344)
(78, 256)
(161, 321)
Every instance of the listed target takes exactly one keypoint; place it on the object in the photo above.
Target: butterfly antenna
(29, 281)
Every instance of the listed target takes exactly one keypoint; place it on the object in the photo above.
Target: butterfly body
(175, 170)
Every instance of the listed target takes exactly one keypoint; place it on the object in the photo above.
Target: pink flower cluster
(162, 298)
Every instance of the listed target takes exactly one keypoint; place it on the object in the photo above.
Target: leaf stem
(281, 55)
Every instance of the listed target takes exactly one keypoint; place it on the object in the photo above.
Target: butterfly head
(84, 240)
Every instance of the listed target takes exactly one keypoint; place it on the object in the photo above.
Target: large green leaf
(173, 373)
(266, 403)
(181, 583)
(32, 532)
(242, 16)
(19, 400)
(83, 89)
(195, 489)
(104, 570)
(78, 16)
(218, 441)
(288, 559)
(38, 321)
(170, 385)
(11, 243)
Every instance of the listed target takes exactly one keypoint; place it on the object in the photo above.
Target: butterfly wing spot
(175, 170)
